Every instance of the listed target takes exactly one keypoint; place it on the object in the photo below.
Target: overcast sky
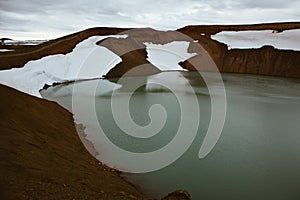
(46, 19)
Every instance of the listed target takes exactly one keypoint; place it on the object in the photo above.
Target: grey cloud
(23, 7)
(56, 18)
(268, 4)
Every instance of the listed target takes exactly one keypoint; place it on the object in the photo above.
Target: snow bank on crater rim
(289, 39)
(167, 56)
(87, 60)
(5, 50)
(58, 68)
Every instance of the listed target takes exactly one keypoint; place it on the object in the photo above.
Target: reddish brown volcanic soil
(262, 61)
(133, 52)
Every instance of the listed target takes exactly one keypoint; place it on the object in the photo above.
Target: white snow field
(24, 42)
(167, 56)
(288, 39)
(5, 50)
(87, 60)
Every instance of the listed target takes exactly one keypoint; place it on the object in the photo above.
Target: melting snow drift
(167, 56)
(5, 50)
(87, 60)
(289, 39)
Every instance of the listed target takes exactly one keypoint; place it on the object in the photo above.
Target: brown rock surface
(178, 195)
(195, 30)
(263, 61)
(133, 54)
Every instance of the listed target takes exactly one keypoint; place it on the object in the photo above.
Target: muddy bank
(86, 143)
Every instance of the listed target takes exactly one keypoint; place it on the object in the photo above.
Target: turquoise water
(256, 156)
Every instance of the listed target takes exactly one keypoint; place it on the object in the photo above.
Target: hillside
(265, 60)
(42, 155)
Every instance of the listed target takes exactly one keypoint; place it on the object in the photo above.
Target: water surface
(256, 157)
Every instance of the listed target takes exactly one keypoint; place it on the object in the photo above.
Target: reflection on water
(257, 156)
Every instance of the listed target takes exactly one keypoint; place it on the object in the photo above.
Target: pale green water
(256, 157)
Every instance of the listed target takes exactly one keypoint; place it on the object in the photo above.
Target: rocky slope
(262, 61)
(132, 53)
(43, 157)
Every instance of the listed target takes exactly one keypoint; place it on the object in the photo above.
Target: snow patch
(87, 60)
(5, 50)
(167, 56)
(289, 39)
(24, 42)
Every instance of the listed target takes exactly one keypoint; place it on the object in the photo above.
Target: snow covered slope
(5, 50)
(87, 60)
(167, 56)
(289, 39)
(24, 42)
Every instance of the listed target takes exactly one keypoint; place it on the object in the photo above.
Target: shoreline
(80, 128)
